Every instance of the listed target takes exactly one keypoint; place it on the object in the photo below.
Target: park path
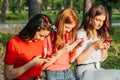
(21, 25)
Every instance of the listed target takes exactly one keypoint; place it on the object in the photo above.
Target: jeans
(59, 75)
(79, 71)
(89, 72)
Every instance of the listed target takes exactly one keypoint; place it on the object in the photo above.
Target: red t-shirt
(19, 52)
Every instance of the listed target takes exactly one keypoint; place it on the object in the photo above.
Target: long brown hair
(68, 16)
(88, 21)
(34, 24)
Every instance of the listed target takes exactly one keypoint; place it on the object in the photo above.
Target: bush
(11, 17)
(17, 16)
(4, 37)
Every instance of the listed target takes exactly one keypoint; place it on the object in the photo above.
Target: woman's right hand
(38, 60)
(50, 62)
(98, 44)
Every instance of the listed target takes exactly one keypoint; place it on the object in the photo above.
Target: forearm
(12, 73)
(85, 54)
(72, 56)
(69, 47)
(104, 54)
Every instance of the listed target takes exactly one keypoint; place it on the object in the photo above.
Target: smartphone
(108, 40)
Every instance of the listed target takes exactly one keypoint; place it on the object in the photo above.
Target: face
(69, 27)
(99, 21)
(40, 35)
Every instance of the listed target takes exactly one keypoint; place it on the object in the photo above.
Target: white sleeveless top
(95, 55)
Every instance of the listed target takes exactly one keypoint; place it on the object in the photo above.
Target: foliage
(17, 5)
(17, 16)
(110, 3)
(78, 6)
(113, 60)
(115, 34)
(116, 17)
(4, 37)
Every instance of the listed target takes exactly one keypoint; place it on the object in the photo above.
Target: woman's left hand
(51, 61)
(106, 45)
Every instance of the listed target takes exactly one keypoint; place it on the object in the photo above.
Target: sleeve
(81, 34)
(10, 55)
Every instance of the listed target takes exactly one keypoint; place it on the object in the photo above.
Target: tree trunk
(68, 3)
(45, 4)
(110, 15)
(34, 7)
(4, 9)
(87, 6)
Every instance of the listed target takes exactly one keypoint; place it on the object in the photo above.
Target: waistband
(94, 63)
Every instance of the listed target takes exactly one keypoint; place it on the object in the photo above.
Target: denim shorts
(59, 75)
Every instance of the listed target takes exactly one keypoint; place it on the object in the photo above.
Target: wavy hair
(88, 21)
(65, 16)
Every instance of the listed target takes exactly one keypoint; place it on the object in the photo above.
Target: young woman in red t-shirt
(24, 52)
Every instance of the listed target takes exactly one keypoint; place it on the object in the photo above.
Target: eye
(41, 35)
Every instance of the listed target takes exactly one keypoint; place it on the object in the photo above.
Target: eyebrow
(41, 35)
(67, 27)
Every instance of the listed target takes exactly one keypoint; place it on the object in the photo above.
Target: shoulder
(81, 33)
(14, 40)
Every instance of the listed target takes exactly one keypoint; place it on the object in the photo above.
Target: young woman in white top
(94, 30)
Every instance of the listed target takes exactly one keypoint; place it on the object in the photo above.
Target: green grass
(116, 17)
(113, 59)
(115, 34)
(22, 18)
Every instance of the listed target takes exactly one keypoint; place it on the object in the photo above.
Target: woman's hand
(106, 45)
(98, 44)
(38, 60)
(75, 44)
(51, 61)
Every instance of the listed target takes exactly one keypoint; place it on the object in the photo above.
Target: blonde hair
(68, 16)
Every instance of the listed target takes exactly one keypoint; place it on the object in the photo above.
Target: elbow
(7, 77)
(80, 60)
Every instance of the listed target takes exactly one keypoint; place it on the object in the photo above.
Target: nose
(101, 23)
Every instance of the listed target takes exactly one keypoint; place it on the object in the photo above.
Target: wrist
(31, 63)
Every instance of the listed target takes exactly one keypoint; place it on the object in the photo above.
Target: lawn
(22, 18)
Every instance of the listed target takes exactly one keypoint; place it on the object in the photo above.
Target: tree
(78, 5)
(68, 3)
(87, 6)
(34, 7)
(4, 9)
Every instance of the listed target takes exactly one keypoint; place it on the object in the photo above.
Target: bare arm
(11, 72)
(85, 54)
(104, 50)
(73, 53)
(65, 49)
